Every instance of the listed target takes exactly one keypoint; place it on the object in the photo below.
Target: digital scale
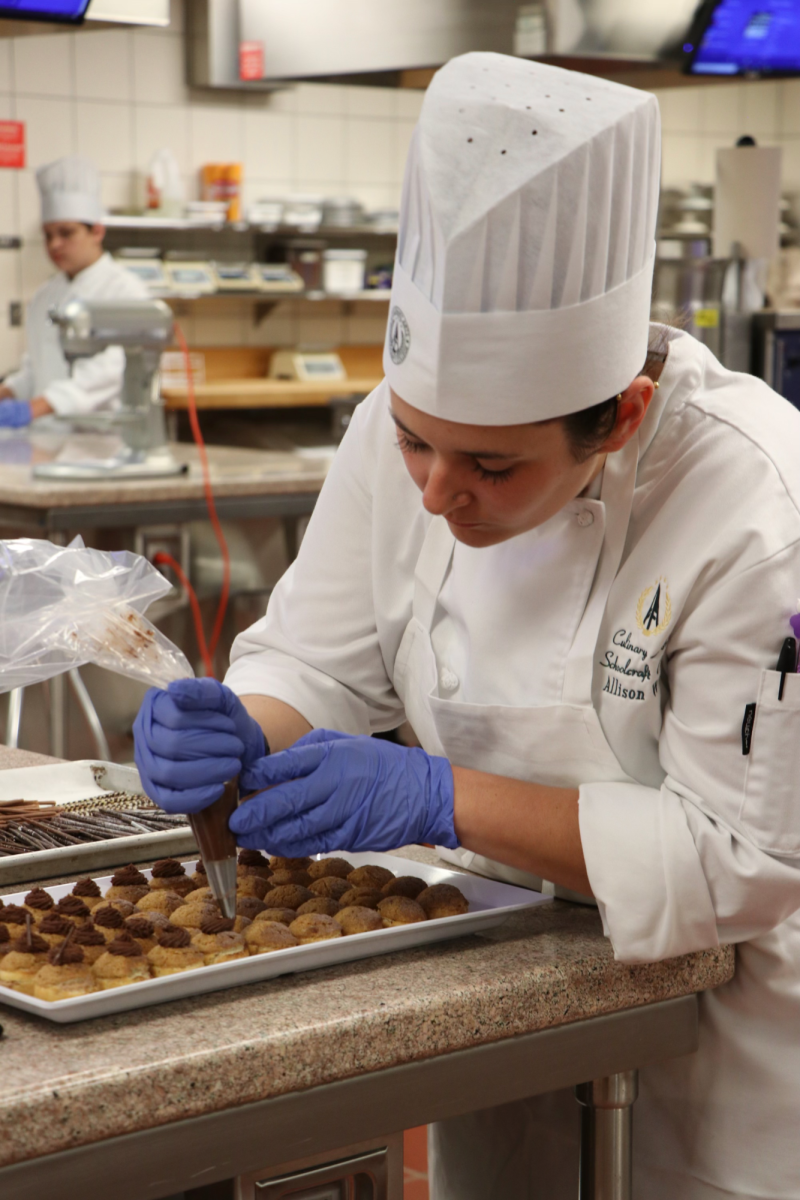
(235, 277)
(279, 277)
(308, 366)
(180, 277)
(150, 271)
(190, 278)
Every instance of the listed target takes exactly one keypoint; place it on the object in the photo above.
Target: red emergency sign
(12, 144)
(251, 60)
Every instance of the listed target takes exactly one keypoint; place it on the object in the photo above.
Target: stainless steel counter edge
(187, 1154)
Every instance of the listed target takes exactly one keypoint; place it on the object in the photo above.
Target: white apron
(497, 1154)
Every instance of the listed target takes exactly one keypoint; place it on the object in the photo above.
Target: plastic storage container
(343, 271)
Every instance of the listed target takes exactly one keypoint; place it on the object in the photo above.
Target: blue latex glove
(190, 740)
(337, 792)
(15, 413)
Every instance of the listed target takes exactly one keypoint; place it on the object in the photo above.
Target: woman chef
(572, 585)
(72, 223)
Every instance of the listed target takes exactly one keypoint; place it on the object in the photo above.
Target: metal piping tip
(221, 877)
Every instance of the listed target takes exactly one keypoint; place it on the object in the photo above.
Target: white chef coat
(90, 383)
(703, 845)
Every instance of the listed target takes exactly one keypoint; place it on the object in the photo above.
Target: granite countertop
(65, 1086)
(234, 472)
(23, 758)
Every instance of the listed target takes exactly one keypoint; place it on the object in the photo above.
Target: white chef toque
(524, 265)
(69, 190)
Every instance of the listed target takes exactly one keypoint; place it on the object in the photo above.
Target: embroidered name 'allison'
(614, 688)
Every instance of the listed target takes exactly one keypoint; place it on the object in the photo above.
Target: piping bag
(64, 606)
(217, 845)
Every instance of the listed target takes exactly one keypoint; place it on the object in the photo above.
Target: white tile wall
(268, 146)
(104, 66)
(789, 107)
(680, 110)
(50, 127)
(279, 328)
(155, 126)
(698, 120)
(8, 205)
(722, 109)
(369, 151)
(409, 102)
(28, 216)
(9, 279)
(11, 342)
(6, 65)
(402, 133)
(264, 189)
(371, 102)
(321, 100)
(216, 133)
(43, 65)
(36, 268)
(105, 134)
(320, 148)
(158, 68)
(760, 109)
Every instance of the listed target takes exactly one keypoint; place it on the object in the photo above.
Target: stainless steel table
(246, 483)
(177, 1157)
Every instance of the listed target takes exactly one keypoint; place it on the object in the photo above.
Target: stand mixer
(143, 329)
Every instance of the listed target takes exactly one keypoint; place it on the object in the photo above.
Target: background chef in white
(571, 583)
(72, 223)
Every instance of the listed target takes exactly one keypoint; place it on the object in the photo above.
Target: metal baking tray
(86, 779)
(490, 903)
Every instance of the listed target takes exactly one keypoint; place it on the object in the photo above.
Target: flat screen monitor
(744, 37)
(70, 12)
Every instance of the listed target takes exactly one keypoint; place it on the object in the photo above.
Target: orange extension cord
(207, 650)
(162, 558)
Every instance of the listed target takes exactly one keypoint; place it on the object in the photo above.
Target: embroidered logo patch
(399, 336)
(654, 608)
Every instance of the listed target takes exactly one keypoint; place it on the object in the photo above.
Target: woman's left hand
(331, 791)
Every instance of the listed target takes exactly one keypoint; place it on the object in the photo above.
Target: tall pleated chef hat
(69, 190)
(524, 265)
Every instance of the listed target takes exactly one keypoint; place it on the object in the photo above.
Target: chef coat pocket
(771, 805)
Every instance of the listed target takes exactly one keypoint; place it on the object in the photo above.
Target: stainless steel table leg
(58, 716)
(58, 686)
(606, 1127)
(90, 713)
(14, 717)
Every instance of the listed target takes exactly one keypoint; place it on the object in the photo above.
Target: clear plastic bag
(65, 606)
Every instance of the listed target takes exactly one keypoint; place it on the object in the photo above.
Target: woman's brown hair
(588, 428)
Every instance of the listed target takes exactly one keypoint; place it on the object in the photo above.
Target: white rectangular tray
(490, 904)
(82, 780)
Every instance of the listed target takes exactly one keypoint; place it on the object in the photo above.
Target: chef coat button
(585, 518)
(448, 679)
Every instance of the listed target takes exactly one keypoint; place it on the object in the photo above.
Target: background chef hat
(524, 263)
(69, 190)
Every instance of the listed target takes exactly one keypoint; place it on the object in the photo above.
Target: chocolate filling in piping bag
(217, 846)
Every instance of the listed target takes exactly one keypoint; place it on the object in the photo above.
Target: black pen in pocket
(787, 662)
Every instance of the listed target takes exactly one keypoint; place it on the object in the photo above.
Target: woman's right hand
(190, 740)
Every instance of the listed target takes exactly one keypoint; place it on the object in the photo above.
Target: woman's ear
(632, 407)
